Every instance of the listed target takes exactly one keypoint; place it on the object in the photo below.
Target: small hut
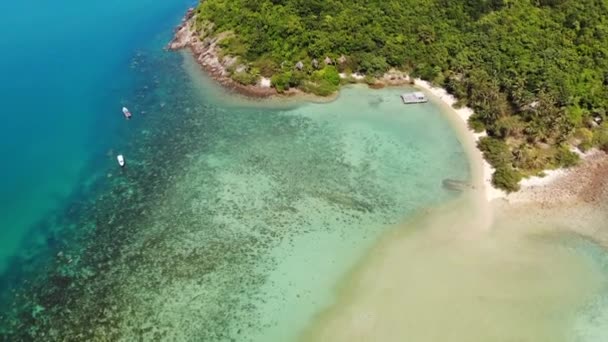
(328, 61)
(342, 59)
(300, 65)
(315, 64)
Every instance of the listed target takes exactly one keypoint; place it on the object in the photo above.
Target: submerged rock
(456, 185)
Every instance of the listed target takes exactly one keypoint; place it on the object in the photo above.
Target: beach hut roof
(315, 63)
(300, 65)
(342, 59)
(328, 60)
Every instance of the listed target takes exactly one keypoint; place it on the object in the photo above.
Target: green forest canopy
(534, 72)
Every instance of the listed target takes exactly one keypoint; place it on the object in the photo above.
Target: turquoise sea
(233, 220)
(66, 71)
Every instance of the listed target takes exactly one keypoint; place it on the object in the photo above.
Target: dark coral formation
(177, 245)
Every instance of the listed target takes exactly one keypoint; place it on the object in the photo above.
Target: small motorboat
(121, 160)
(126, 112)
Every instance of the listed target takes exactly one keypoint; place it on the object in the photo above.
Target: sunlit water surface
(235, 220)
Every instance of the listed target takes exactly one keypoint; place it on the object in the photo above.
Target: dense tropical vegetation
(534, 71)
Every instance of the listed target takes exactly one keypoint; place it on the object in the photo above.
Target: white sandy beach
(505, 281)
(528, 185)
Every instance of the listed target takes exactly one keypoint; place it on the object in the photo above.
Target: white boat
(121, 160)
(126, 112)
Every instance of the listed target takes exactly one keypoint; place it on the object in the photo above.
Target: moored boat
(126, 112)
(121, 160)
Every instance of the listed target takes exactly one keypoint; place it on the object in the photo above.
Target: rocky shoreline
(584, 183)
(207, 54)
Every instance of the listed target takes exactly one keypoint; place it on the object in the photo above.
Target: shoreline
(564, 200)
(482, 170)
(482, 230)
(536, 189)
(206, 53)
(580, 185)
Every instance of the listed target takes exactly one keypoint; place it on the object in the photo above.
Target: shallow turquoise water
(233, 220)
(225, 211)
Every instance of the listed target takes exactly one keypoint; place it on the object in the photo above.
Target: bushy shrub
(506, 178)
(372, 64)
(348, 80)
(496, 152)
(527, 157)
(322, 88)
(267, 66)
(585, 137)
(575, 115)
(566, 158)
(600, 137)
(296, 79)
(369, 80)
(428, 71)
(328, 74)
(245, 78)
(455, 86)
(281, 81)
(508, 126)
(232, 45)
(476, 124)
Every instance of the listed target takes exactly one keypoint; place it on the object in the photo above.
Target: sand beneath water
(486, 267)
(458, 273)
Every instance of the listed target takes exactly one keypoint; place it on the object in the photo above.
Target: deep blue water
(67, 68)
